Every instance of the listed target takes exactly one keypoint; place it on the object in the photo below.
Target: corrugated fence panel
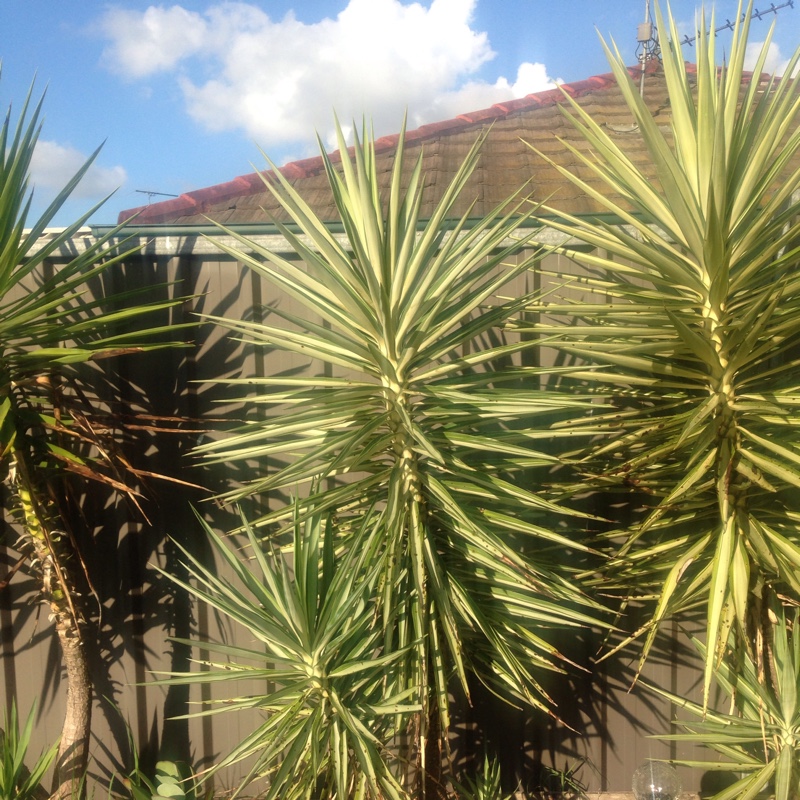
(137, 610)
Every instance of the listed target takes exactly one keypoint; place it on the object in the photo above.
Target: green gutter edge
(270, 229)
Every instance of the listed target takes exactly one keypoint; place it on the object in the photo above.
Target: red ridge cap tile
(387, 142)
(431, 129)
(493, 112)
(293, 170)
(159, 212)
(253, 182)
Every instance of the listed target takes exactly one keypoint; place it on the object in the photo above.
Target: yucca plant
(758, 739)
(332, 713)
(422, 413)
(696, 347)
(51, 328)
(19, 781)
(486, 785)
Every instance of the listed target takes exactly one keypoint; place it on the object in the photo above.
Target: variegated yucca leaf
(694, 340)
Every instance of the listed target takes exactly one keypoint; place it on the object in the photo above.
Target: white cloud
(532, 78)
(280, 80)
(157, 39)
(53, 165)
(475, 95)
(775, 63)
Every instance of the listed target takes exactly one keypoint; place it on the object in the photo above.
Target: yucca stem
(407, 462)
(754, 631)
(57, 584)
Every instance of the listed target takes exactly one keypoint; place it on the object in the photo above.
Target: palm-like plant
(696, 347)
(51, 328)
(329, 719)
(425, 417)
(17, 780)
(485, 786)
(759, 738)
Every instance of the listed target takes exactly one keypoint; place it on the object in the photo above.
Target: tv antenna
(756, 14)
(647, 49)
(151, 195)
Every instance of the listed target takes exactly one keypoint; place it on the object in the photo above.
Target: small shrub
(17, 781)
(486, 785)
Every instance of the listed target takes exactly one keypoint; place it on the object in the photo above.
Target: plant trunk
(434, 786)
(73, 752)
(55, 563)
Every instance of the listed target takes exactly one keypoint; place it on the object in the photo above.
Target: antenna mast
(648, 47)
(151, 195)
(729, 26)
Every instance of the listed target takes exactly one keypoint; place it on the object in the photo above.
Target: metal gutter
(270, 229)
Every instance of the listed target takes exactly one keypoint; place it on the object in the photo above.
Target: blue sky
(184, 94)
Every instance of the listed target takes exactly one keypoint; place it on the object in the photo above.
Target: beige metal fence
(136, 610)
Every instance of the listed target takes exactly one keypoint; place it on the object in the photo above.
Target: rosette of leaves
(332, 711)
(759, 738)
(485, 785)
(18, 781)
(693, 340)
